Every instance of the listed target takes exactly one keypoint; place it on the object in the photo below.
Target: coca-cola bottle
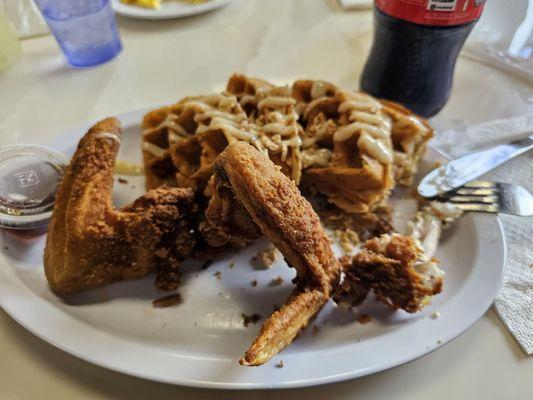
(416, 44)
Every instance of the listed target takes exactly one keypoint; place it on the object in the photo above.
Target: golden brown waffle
(352, 132)
(181, 142)
(344, 145)
(410, 134)
(271, 109)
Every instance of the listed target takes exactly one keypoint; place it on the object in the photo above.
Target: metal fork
(491, 197)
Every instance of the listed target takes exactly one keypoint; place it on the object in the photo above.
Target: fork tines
(491, 197)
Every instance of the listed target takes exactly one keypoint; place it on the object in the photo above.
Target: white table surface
(41, 98)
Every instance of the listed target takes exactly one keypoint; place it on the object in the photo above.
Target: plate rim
(127, 119)
(129, 11)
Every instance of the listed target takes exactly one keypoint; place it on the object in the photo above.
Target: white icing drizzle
(153, 149)
(279, 129)
(346, 132)
(311, 105)
(175, 129)
(374, 127)
(108, 135)
(319, 89)
(361, 102)
(409, 121)
(316, 158)
(375, 148)
(275, 101)
(213, 113)
(247, 99)
(319, 134)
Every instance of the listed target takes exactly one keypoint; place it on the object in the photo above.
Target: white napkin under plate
(514, 302)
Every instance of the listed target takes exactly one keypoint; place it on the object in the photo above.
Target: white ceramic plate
(199, 342)
(169, 9)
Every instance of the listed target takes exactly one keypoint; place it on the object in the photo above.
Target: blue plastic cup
(86, 30)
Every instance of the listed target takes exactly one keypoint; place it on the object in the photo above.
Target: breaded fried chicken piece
(90, 243)
(276, 206)
(227, 223)
(396, 269)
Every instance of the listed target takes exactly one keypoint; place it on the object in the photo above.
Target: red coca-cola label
(433, 12)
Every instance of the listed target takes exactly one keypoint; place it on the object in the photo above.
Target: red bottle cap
(433, 12)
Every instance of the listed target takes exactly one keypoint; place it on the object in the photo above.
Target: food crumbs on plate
(426, 301)
(122, 180)
(276, 281)
(250, 319)
(218, 275)
(206, 264)
(280, 364)
(347, 239)
(437, 164)
(439, 341)
(168, 301)
(265, 258)
(435, 315)
(314, 330)
(253, 283)
(364, 319)
(231, 264)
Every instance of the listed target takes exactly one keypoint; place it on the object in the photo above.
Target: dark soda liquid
(413, 64)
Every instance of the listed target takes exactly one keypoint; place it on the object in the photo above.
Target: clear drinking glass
(86, 30)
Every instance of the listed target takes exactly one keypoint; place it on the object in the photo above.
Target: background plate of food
(197, 334)
(165, 9)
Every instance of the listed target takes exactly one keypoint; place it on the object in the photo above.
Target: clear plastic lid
(29, 176)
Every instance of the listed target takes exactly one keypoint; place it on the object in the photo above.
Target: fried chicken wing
(396, 269)
(400, 269)
(276, 206)
(90, 243)
(226, 222)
